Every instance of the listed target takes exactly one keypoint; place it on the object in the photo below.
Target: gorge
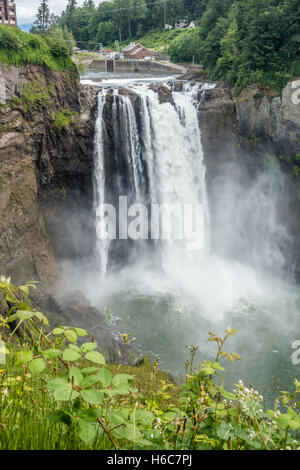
(178, 141)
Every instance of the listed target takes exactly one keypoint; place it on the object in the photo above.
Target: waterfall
(99, 185)
(149, 149)
(157, 154)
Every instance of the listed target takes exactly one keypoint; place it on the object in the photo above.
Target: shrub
(186, 47)
(60, 393)
(18, 47)
(9, 40)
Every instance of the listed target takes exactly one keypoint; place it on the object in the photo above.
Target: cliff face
(244, 136)
(46, 154)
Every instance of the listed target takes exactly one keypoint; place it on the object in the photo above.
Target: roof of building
(140, 49)
(131, 46)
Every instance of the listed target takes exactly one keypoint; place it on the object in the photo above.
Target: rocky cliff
(244, 135)
(46, 191)
(46, 155)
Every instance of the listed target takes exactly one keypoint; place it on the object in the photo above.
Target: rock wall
(46, 168)
(243, 135)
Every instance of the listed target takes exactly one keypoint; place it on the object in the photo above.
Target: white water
(170, 297)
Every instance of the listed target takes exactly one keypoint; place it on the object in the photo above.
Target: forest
(237, 41)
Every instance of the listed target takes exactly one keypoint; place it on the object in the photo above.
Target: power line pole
(165, 22)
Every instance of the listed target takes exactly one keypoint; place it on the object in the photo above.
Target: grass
(19, 48)
(34, 95)
(63, 118)
(154, 40)
(25, 412)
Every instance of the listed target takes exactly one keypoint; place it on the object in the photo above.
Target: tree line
(117, 19)
(239, 41)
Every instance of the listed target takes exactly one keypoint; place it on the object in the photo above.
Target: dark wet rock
(164, 93)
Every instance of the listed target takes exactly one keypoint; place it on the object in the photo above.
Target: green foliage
(62, 119)
(123, 19)
(34, 95)
(244, 42)
(42, 21)
(186, 47)
(63, 395)
(18, 48)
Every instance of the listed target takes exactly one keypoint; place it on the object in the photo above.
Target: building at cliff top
(8, 13)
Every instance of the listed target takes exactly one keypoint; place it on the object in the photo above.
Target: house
(137, 52)
(181, 23)
(8, 13)
(168, 27)
(193, 24)
(142, 53)
(132, 47)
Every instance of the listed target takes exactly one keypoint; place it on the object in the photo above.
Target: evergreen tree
(42, 21)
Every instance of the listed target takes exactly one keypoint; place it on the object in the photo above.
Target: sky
(27, 9)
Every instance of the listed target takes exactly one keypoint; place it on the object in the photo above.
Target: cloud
(27, 9)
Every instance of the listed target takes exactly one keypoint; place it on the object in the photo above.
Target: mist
(165, 295)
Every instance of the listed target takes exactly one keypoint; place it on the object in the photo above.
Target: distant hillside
(154, 40)
(183, 45)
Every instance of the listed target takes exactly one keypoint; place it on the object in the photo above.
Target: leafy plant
(59, 391)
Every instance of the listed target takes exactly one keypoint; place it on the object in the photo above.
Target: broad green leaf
(12, 318)
(40, 316)
(89, 381)
(37, 366)
(225, 431)
(10, 299)
(95, 356)
(75, 372)
(144, 417)
(23, 306)
(22, 357)
(92, 396)
(92, 414)
(71, 335)
(87, 347)
(53, 384)
(132, 433)
(121, 389)
(58, 331)
(122, 378)
(105, 377)
(80, 332)
(228, 395)
(87, 431)
(51, 353)
(65, 393)
(24, 314)
(24, 289)
(74, 347)
(70, 355)
(117, 417)
(90, 370)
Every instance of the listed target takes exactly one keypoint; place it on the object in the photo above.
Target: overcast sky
(27, 9)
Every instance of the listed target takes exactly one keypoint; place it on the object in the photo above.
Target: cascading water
(158, 153)
(151, 152)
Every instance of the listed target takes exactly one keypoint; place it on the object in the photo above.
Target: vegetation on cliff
(58, 392)
(19, 48)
